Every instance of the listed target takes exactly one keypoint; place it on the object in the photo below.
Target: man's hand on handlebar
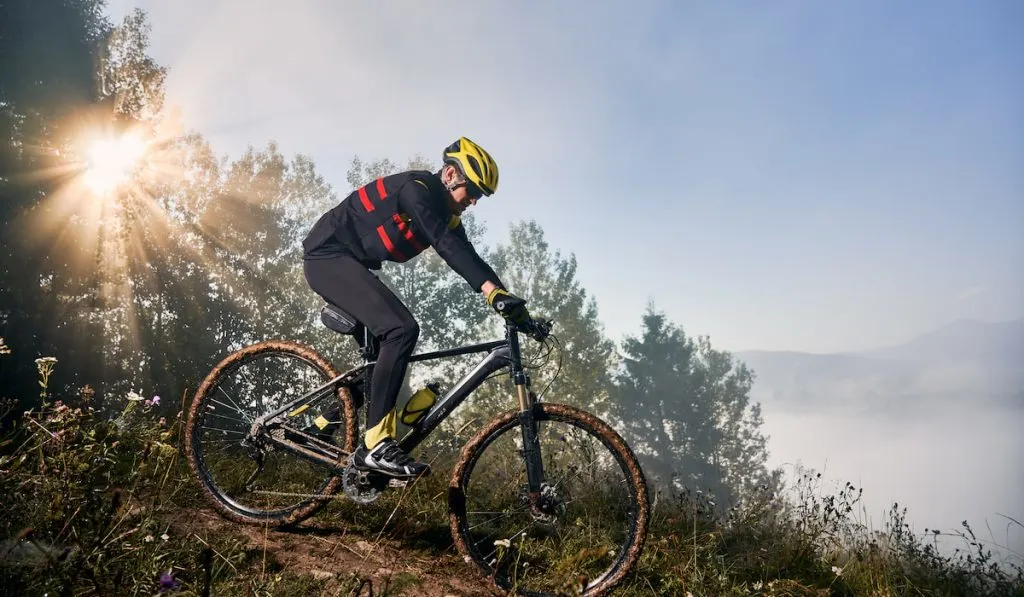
(509, 306)
(513, 310)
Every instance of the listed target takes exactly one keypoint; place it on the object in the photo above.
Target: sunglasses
(472, 191)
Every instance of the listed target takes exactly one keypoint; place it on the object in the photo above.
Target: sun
(112, 161)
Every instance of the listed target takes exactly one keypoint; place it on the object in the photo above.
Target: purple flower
(156, 401)
(167, 582)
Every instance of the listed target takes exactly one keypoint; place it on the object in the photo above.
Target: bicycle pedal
(398, 483)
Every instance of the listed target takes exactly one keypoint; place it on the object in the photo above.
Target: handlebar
(538, 329)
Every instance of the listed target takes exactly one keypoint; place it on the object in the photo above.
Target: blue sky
(789, 175)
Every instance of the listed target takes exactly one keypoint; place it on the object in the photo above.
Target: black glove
(509, 306)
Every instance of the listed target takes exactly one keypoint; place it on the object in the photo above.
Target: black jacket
(395, 218)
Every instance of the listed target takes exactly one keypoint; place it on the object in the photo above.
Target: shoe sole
(389, 474)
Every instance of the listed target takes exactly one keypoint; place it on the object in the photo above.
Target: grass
(91, 504)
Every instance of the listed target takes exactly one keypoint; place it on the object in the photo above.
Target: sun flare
(111, 162)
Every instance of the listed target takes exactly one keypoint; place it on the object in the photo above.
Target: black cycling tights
(350, 285)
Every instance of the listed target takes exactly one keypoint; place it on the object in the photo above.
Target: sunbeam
(112, 161)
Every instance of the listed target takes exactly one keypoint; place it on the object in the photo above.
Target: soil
(349, 564)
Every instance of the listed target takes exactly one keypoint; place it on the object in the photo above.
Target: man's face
(463, 195)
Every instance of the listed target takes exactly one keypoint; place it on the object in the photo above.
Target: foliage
(547, 280)
(685, 409)
(47, 73)
(101, 505)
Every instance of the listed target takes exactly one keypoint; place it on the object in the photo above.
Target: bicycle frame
(500, 354)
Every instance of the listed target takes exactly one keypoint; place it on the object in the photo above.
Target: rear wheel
(246, 477)
(591, 523)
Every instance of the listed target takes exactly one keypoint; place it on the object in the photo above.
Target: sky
(786, 176)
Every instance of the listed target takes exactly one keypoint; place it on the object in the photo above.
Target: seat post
(371, 348)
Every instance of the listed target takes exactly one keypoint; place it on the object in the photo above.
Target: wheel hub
(546, 507)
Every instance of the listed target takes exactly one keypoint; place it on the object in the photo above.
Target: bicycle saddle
(337, 319)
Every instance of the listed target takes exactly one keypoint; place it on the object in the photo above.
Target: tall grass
(90, 503)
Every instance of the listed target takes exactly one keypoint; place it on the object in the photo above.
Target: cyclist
(394, 218)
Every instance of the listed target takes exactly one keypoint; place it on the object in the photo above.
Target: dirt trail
(330, 553)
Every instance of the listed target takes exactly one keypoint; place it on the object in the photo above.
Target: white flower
(148, 539)
(837, 570)
(503, 543)
(134, 397)
(165, 537)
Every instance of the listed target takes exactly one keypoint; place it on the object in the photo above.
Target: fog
(945, 466)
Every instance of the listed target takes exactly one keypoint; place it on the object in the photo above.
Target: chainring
(358, 487)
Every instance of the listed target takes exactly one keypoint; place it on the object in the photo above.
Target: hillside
(965, 362)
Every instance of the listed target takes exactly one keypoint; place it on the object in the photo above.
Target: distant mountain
(964, 340)
(964, 362)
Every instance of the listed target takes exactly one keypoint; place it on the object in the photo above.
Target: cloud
(971, 292)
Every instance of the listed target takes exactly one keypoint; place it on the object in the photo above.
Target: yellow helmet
(474, 163)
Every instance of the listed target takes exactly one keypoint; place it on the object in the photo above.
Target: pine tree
(685, 408)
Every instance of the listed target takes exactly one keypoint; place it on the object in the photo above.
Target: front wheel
(591, 523)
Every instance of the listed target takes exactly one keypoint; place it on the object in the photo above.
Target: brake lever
(540, 329)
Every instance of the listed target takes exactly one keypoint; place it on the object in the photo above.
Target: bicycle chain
(333, 496)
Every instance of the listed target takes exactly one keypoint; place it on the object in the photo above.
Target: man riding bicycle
(395, 218)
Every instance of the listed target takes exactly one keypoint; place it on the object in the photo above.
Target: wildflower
(155, 401)
(837, 570)
(165, 536)
(4, 349)
(148, 538)
(43, 361)
(503, 543)
(135, 397)
(168, 582)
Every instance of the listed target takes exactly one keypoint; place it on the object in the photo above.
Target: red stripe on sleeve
(390, 246)
(365, 199)
(407, 233)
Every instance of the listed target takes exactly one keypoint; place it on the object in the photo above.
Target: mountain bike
(541, 498)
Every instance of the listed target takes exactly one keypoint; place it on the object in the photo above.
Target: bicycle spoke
(236, 408)
(247, 385)
(500, 516)
(578, 526)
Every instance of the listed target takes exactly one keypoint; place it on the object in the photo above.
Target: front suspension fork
(531, 443)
